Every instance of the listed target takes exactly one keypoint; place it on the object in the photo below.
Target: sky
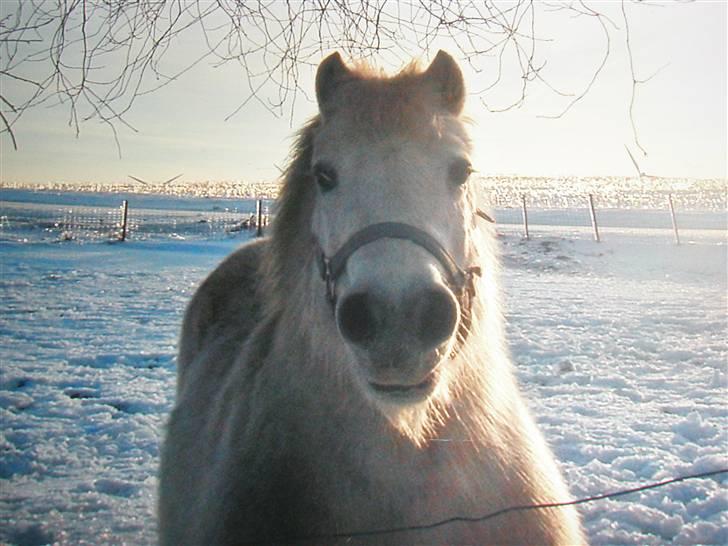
(680, 113)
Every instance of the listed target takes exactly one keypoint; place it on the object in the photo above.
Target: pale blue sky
(680, 114)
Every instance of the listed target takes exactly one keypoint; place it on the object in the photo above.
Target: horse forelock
(380, 106)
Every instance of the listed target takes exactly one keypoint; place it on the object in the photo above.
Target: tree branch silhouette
(96, 57)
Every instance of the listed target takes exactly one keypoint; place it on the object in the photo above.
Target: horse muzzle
(400, 335)
(399, 342)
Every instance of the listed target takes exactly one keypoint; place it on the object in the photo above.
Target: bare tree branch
(583, 9)
(634, 81)
(97, 56)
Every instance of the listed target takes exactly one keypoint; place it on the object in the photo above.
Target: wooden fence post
(593, 218)
(259, 218)
(674, 220)
(524, 213)
(124, 218)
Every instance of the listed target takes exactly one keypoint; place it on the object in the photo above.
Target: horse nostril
(357, 319)
(437, 316)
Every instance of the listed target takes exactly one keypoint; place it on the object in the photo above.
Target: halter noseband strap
(332, 268)
(461, 281)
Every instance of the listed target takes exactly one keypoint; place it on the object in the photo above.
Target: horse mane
(291, 239)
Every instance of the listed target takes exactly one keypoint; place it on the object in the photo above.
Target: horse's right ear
(446, 79)
(331, 73)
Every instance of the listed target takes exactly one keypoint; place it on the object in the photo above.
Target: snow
(622, 351)
(88, 335)
(620, 348)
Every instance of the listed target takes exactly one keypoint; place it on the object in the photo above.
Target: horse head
(393, 218)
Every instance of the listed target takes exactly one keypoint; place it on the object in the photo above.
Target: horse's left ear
(331, 73)
(446, 79)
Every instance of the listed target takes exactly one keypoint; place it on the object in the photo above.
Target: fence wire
(492, 515)
(543, 211)
(550, 212)
(31, 222)
(23, 222)
(148, 224)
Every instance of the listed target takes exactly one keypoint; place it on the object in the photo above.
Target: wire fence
(598, 214)
(146, 224)
(534, 211)
(25, 222)
(319, 538)
(30, 222)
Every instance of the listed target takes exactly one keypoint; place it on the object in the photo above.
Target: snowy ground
(621, 350)
(621, 347)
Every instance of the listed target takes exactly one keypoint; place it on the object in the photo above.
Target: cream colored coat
(272, 439)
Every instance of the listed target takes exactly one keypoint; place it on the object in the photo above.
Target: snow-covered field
(621, 349)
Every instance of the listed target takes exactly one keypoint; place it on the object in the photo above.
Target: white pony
(349, 373)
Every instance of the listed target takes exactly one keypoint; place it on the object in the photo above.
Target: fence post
(524, 213)
(124, 217)
(593, 218)
(259, 218)
(674, 220)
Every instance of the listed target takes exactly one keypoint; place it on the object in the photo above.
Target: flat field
(620, 348)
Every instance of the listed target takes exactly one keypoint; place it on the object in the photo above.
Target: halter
(460, 281)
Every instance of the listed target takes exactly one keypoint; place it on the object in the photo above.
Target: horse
(345, 380)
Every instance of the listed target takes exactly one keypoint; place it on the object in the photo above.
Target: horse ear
(446, 79)
(331, 73)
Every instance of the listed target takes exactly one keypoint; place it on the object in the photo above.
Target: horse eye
(325, 176)
(459, 171)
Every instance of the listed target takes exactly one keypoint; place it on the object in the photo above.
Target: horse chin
(409, 407)
(404, 386)
(405, 394)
